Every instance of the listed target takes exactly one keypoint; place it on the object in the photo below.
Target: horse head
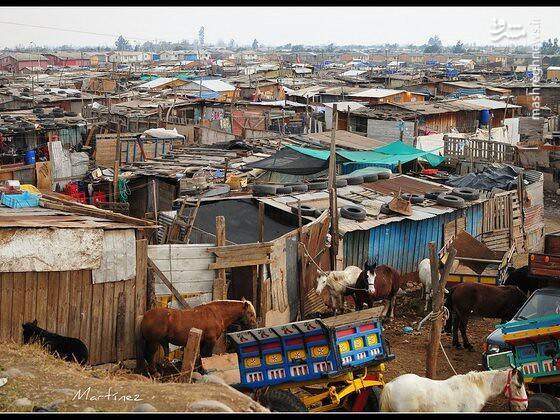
(249, 317)
(514, 390)
(321, 283)
(369, 269)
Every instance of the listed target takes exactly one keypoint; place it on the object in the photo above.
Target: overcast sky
(276, 26)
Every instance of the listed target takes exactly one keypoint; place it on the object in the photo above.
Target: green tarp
(388, 155)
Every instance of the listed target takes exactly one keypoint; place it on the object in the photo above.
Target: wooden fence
(477, 151)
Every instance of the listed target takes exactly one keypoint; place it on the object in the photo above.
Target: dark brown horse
(483, 300)
(377, 283)
(162, 326)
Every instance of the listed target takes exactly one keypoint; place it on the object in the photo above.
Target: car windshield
(540, 304)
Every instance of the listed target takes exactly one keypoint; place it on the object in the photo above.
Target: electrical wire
(69, 30)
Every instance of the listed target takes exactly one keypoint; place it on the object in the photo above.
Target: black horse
(67, 348)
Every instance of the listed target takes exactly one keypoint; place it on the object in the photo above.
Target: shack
(79, 273)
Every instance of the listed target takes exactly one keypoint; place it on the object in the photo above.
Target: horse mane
(481, 379)
(251, 307)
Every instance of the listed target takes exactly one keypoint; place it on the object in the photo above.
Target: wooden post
(219, 290)
(117, 165)
(261, 221)
(225, 170)
(154, 197)
(151, 299)
(190, 355)
(116, 182)
(438, 300)
(333, 205)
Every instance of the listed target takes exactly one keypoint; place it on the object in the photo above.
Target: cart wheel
(543, 403)
(281, 401)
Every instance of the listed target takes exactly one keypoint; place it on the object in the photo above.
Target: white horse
(335, 283)
(460, 393)
(425, 276)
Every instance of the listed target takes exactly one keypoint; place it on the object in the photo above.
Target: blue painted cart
(338, 360)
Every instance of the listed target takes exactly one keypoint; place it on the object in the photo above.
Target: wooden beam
(190, 354)
(170, 286)
(223, 264)
(438, 300)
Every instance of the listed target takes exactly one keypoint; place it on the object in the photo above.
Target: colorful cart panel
(536, 347)
(306, 350)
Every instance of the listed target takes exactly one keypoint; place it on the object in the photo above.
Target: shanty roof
(23, 56)
(370, 196)
(376, 93)
(347, 140)
(160, 81)
(215, 85)
(345, 105)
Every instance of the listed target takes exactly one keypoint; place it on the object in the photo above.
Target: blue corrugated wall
(404, 244)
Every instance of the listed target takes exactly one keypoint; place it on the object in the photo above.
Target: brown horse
(161, 326)
(483, 300)
(377, 283)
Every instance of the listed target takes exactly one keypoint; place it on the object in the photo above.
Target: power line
(68, 30)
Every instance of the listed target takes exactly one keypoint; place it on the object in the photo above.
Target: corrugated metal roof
(376, 93)
(402, 183)
(215, 85)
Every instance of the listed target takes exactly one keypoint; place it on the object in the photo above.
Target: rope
(444, 312)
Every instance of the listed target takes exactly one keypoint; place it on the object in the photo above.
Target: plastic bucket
(30, 157)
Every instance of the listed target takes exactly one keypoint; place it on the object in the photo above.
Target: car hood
(497, 338)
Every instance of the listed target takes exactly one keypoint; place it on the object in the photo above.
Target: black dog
(67, 348)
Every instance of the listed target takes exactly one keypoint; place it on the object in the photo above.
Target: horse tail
(385, 400)
(140, 344)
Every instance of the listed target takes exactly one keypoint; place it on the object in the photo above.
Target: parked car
(542, 302)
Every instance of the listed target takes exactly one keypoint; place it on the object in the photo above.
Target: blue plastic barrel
(30, 157)
(484, 117)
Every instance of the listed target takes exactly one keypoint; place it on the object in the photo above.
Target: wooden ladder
(174, 235)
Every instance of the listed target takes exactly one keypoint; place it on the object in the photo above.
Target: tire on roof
(306, 210)
(413, 198)
(264, 189)
(370, 177)
(469, 194)
(317, 185)
(353, 213)
(451, 200)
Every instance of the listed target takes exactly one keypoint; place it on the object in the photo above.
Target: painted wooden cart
(315, 365)
(535, 350)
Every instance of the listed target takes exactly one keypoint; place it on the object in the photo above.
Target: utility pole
(333, 205)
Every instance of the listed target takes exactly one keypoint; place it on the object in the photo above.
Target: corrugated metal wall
(404, 244)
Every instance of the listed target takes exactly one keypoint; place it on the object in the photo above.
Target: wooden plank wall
(186, 267)
(67, 303)
(501, 222)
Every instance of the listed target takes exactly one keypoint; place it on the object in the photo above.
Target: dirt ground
(410, 349)
(43, 380)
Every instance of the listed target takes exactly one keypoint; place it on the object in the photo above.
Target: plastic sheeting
(499, 176)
